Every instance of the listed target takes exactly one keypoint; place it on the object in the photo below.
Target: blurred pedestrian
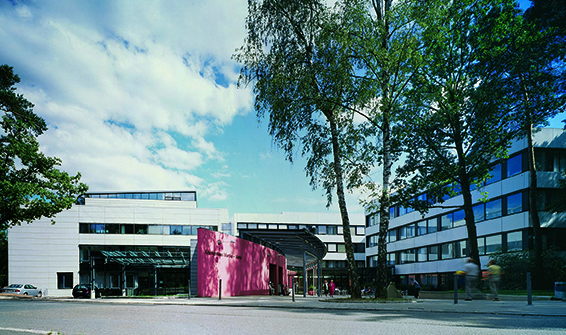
(325, 288)
(331, 287)
(494, 276)
(416, 288)
(472, 271)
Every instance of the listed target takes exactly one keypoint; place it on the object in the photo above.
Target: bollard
(455, 288)
(529, 291)
(220, 289)
(294, 288)
(189, 295)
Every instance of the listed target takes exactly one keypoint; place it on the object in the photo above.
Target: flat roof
(293, 243)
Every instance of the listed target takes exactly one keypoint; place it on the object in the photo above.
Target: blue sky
(141, 96)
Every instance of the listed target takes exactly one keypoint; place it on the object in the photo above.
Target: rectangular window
(272, 226)
(242, 226)
(446, 221)
(252, 225)
(283, 226)
(64, 280)
(331, 247)
(411, 230)
(84, 228)
(421, 228)
(402, 233)
(408, 256)
(112, 228)
(392, 235)
(461, 250)
(432, 225)
(481, 245)
(493, 209)
(340, 230)
(515, 203)
(495, 174)
(262, 226)
(175, 230)
(360, 231)
(126, 229)
(391, 259)
(459, 218)
(322, 230)
(514, 165)
(447, 251)
(141, 229)
(155, 230)
(99, 228)
(331, 230)
(433, 253)
(492, 243)
(479, 214)
(421, 254)
(341, 247)
(515, 241)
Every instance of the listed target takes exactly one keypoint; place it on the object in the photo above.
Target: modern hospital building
(432, 247)
(145, 243)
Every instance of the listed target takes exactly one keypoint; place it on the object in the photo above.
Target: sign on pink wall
(244, 267)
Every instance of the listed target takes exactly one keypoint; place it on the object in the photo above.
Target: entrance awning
(148, 257)
(294, 244)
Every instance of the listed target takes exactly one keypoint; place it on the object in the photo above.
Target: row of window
(315, 229)
(340, 264)
(486, 245)
(508, 205)
(551, 160)
(85, 251)
(144, 229)
(341, 247)
(176, 196)
(508, 168)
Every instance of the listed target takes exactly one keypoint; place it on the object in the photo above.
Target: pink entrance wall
(243, 266)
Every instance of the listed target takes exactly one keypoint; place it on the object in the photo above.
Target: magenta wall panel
(244, 267)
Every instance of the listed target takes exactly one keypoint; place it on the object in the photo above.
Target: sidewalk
(507, 305)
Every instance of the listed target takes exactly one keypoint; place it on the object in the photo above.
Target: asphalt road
(43, 317)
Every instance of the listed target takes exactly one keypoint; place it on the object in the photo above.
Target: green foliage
(516, 265)
(31, 186)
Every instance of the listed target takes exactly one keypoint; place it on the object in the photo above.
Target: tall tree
(532, 71)
(31, 185)
(296, 58)
(384, 40)
(460, 121)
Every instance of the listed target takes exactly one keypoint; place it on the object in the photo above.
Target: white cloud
(130, 89)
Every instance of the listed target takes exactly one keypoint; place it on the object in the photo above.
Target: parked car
(24, 289)
(83, 291)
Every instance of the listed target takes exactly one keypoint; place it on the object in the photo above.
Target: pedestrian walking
(472, 271)
(331, 287)
(494, 276)
(325, 288)
(416, 288)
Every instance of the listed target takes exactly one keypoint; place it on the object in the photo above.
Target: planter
(560, 290)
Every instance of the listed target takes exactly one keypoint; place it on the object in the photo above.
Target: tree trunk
(355, 285)
(382, 8)
(533, 210)
(384, 203)
(466, 194)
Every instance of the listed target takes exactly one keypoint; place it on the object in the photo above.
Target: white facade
(502, 222)
(40, 252)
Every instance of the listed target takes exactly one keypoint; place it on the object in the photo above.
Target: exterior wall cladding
(430, 247)
(52, 256)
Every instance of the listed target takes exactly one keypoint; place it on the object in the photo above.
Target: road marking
(33, 331)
